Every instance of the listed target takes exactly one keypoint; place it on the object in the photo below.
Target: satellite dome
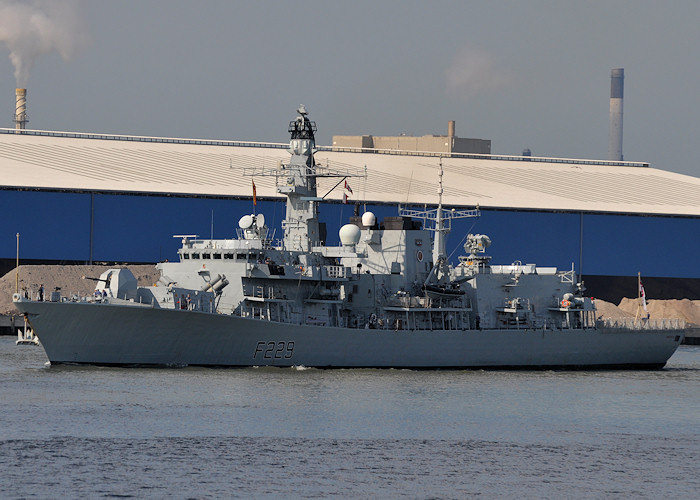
(369, 219)
(260, 220)
(245, 222)
(349, 234)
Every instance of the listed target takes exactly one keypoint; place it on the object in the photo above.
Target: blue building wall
(129, 228)
(51, 225)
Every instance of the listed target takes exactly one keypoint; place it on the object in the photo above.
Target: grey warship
(386, 297)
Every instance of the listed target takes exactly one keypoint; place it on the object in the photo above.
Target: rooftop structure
(77, 162)
(449, 143)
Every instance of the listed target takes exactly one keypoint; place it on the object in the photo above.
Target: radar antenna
(297, 179)
(439, 221)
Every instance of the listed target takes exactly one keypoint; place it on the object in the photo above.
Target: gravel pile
(688, 310)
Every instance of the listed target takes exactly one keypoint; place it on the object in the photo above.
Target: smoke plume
(32, 28)
(474, 71)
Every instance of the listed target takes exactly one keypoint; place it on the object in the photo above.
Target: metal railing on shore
(643, 324)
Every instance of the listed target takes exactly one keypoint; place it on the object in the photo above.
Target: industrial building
(83, 197)
(102, 198)
(449, 143)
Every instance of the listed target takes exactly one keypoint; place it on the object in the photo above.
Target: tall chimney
(21, 109)
(451, 128)
(617, 84)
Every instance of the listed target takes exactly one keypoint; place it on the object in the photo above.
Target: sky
(525, 74)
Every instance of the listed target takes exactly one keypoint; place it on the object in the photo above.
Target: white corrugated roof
(89, 162)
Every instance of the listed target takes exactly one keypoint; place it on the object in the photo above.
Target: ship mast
(442, 225)
(297, 179)
(440, 245)
(301, 226)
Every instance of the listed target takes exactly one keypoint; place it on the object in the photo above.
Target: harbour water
(75, 431)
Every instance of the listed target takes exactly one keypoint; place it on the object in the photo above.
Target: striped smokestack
(21, 109)
(617, 84)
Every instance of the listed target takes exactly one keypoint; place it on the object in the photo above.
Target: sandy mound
(606, 310)
(69, 278)
(688, 310)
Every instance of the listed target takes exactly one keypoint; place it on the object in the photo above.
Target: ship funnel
(617, 81)
(21, 109)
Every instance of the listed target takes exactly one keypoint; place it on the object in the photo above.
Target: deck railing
(643, 324)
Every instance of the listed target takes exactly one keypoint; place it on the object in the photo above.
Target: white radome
(245, 222)
(369, 219)
(349, 234)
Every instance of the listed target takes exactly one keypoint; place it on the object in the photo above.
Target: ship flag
(347, 186)
(345, 198)
(642, 298)
(255, 193)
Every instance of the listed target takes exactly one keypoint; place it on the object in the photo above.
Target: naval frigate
(387, 296)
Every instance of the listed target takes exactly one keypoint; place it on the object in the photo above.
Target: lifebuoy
(565, 303)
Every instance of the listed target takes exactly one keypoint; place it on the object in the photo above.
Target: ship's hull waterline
(104, 334)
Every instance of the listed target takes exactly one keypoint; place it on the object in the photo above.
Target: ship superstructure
(387, 296)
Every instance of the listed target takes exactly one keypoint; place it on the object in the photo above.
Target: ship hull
(105, 334)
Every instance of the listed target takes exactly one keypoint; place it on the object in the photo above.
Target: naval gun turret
(117, 283)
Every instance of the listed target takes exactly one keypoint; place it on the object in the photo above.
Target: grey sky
(522, 73)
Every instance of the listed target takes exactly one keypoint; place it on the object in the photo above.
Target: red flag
(347, 186)
(255, 198)
(345, 198)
